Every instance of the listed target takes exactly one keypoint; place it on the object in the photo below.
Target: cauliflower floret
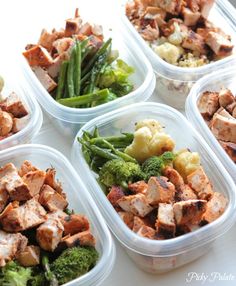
(169, 52)
(186, 163)
(177, 37)
(149, 140)
(191, 60)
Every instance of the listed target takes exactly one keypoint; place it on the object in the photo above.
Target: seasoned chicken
(115, 194)
(25, 168)
(190, 18)
(62, 45)
(208, 104)
(171, 6)
(4, 196)
(136, 204)
(194, 42)
(84, 238)
(10, 245)
(12, 104)
(159, 191)
(30, 256)
(230, 149)
(138, 223)
(50, 180)
(174, 177)
(190, 211)
(146, 231)
(75, 223)
(165, 223)
(20, 123)
(6, 123)
(34, 181)
(28, 215)
(138, 187)
(38, 56)
(48, 83)
(128, 218)
(54, 69)
(47, 39)
(219, 44)
(185, 193)
(226, 97)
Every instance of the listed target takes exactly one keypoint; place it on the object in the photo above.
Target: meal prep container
(174, 83)
(149, 255)
(69, 120)
(13, 83)
(213, 82)
(79, 200)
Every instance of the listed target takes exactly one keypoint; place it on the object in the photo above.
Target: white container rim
(146, 246)
(105, 264)
(193, 114)
(181, 73)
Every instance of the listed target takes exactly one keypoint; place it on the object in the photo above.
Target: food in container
(156, 256)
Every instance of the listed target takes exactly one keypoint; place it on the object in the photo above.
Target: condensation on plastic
(79, 200)
(14, 83)
(150, 255)
(213, 82)
(174, 83)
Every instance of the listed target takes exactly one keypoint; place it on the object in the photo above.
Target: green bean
(70, 73)
(77, 75)
(61, 80)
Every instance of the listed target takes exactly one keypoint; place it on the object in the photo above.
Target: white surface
(18, 20)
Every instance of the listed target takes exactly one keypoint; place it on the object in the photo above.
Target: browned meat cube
(220, 45)
(50, 180)
(72, 26)
(85, 29)
(194, 42)
(52, 200)
(38, 56)
(185, 193)
(30, 256)
(63, 45)
(4, 196)
(206, 6)
(146, 231)
(200, 183)
(190, 18)
(208, 104)
(173, 7)
(20, 123)
(231, 107)
(128, 218)
(160, 191)
(190, 211)
(47, 82)
(75, 223)
(13, 183)
(223, 112)
(224, 128)
(149, 33)
(165, 223)
(6, 123)
(10, 244)
(215, 207)
(34, 181)
(54, 68)
(194, 5)
(138, 187)
(84, 238)
(115, 194)
(230, 149)
(26, 167)
(226, 97)
(138, 223)
(28, 215)
(14, 105)
(174, 177)
(136, 204)
(47, 39)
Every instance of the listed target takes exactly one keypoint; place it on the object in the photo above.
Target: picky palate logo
(209, 277)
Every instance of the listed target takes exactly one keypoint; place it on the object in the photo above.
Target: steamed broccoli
(74, 262)
(154, 165)
(12, 274)
(119, 172)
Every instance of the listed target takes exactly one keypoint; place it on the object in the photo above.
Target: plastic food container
(174, 83)
(11, 84)
(79, 200)
(149, 255)
(213, 82)
(69, 120)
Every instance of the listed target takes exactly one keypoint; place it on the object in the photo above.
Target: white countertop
(18, 21)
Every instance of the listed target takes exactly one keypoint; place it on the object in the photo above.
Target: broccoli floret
(37, 280)
(119, 172)
(153, 166)
(74, 262)
(12, 274)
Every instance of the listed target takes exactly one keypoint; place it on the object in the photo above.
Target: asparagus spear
(51, 278)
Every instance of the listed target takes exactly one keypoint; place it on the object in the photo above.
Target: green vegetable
(121, 89)
(153, 166)
(62, 80)
(116, 141)
(1, 83)
(70, 73)
(49, 275)
(12, 274)
(118, 172)
(77, 72)
(73, 263)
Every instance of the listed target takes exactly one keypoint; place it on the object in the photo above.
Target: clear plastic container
(150, 255)
(79, 200)
(174, 83)
(213, 82)
(13, 83)
(69, 120)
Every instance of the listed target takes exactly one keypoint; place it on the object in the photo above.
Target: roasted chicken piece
(12, 104)
(48, 83)
(230, 149)
(208, 104)
(128, 218)
(30, 256)
(165, 223)
(38, 56)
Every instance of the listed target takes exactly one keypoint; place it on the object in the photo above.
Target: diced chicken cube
(190, 18)
(173, 6)
(54, 68)
(215, 207)
(38, 56)
(208, 104)
(160, 191)
(128, 218)
(190, 211)
(85, 29)
(47, 39)
(72, 26)
(149, 33)
(165, 223)
(226, 97)
(231, 108)
(6, 123)
(138, 223)
(230, 149)
(154, 12)
(14, 105)
(206, 6)
(13, 183)
(200, 183)
(49, 234)
(97, 30)
(185, 193)
(50, 180)
(174, 177)
(194, 5)
(28, 215)
(115, 194)
(146, 231)
(52, 200)
(26, 167)
(84, 238)
(20, 123)
(34, 181)
(62, 45)
(220, 45)
(4, 196)
(75, 223)
(10, 245)
(194, 42)
(138, 187)
(224, 128)
(30, 256)
(48, 83)
(223, 112)
(137, 204)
